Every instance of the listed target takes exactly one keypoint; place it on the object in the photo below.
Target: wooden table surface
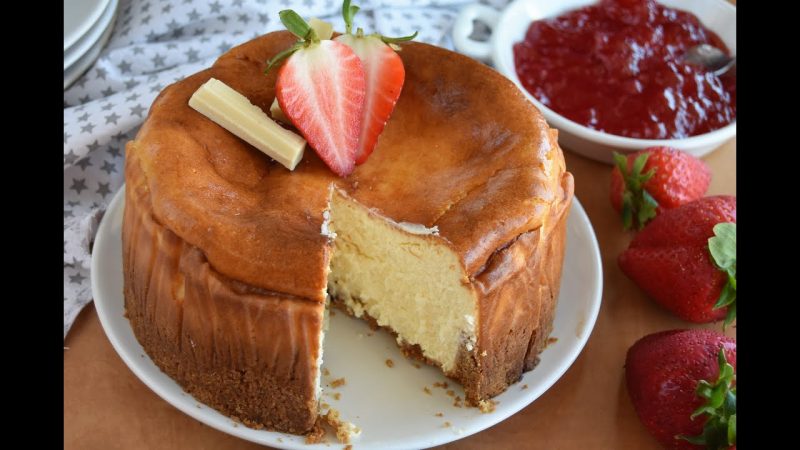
(107, 407)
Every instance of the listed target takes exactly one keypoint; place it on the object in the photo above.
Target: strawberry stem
(348, 12)
(719, 431)
(298, 27)
(638, 206)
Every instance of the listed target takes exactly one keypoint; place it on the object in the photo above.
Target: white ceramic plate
(92, 36)
(387, 403)
(86, 61)
(510, 25)
(79, 16)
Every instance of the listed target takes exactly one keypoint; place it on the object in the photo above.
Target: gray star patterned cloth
(158, 42)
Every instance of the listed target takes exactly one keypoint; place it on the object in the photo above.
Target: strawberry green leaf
(722, 247)
(648, 206)
(297, 26)
(348, 12)
(282, 55)
(719, 431)
(730, 316)
(638, 206)
(395, 40)
(639, 162)
(621, 161)
(727, 296)
(627, 210)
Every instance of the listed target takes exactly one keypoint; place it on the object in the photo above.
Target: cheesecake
(451, 237)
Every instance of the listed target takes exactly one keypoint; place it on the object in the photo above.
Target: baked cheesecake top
(463, 151)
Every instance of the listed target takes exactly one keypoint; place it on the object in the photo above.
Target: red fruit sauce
(617, 67)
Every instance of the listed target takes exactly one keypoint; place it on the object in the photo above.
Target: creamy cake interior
(404, 276)
(227, 271)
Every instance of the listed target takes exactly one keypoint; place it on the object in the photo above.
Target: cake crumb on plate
(486, 406)
(338, 382)
(389, 363)
(344, 429)
(427, 391)
(316, 434)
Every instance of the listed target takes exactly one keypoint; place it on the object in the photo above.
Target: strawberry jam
(618, 67)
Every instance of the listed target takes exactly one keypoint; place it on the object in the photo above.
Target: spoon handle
(729, 68)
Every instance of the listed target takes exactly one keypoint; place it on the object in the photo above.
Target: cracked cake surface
(227, 268)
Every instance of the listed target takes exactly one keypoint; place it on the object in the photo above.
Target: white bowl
(509, 27)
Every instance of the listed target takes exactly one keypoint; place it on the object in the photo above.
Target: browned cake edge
(518, 293)
(249, 354)
(200, 328)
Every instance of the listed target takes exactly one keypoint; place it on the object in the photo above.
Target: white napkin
(158, 42)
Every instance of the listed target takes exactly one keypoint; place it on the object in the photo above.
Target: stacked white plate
(87, 27)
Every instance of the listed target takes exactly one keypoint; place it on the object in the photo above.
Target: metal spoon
(712, 58)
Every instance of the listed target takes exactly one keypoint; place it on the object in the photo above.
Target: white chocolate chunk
(234, 112)
(323, 29)
(277, 113)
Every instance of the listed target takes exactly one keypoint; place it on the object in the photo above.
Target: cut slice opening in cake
(404, 277)
(230, 262)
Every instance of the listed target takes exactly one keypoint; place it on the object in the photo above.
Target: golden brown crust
(518, 294)
(483, 151)
(250, 355)
(225, 265)
(255, 221)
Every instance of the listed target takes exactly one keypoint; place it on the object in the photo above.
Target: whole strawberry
(646, 183)
(682, 386)
(685, 259)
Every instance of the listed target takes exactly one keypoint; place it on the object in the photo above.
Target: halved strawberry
(321, 89)
(385, 76)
